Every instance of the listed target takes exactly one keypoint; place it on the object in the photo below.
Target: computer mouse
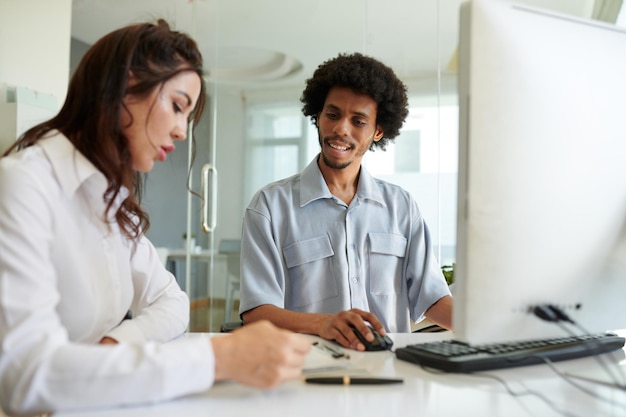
(380, 342)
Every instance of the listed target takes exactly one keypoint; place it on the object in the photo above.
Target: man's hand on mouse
(338, 328)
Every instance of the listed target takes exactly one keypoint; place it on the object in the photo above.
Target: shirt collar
(314, 187)
(73, 170)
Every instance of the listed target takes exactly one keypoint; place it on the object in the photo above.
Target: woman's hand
(260, 354)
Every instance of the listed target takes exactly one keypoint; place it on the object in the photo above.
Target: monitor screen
(542, 173)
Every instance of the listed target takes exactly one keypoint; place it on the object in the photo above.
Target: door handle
(209, 197)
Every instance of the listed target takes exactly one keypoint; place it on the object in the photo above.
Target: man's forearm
(306, 323)
(441, 312)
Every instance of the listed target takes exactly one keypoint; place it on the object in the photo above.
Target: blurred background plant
(448, 272)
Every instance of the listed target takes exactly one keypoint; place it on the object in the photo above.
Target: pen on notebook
(347, 380)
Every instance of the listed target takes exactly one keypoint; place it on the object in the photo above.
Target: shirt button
(355, 280)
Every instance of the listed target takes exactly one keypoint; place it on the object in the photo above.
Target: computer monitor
(542, 173)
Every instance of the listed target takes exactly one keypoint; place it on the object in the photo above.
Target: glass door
(180, 194)
(259, 55)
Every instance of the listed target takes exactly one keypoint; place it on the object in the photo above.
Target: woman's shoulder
(28, 160)
(27, 168)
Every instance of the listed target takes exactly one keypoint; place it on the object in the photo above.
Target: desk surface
(422, 394)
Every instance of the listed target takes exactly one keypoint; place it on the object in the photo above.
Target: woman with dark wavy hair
(74, 259)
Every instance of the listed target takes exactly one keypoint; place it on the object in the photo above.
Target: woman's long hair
(90, 116)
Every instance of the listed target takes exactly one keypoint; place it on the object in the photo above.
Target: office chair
(231, 248)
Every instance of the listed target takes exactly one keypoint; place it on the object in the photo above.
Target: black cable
(556, 315)
(544, 312)
(579, 386)
(552, 313)
(560, 314)
(602, 363)
(509, 390)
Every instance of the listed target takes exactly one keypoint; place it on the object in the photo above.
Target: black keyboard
(456, 356)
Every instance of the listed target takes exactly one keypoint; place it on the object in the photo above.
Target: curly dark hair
(90, 116)
(364, 75)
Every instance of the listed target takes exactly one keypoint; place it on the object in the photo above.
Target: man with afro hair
(333, 248)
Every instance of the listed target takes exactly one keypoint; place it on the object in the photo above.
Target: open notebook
(330, 359)
(327, 357)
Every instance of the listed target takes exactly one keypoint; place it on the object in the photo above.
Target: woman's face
(152, 124)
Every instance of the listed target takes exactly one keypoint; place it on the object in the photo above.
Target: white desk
(181, 254)
(176, 257)
(423, 394)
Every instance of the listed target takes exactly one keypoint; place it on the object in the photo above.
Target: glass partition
(259, 55)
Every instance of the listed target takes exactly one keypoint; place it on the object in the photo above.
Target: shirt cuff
(127, 332)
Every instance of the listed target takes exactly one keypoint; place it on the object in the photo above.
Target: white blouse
(67, 279)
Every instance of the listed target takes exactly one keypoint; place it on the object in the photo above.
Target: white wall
(34, 53)
(35, 44)
(35, 47)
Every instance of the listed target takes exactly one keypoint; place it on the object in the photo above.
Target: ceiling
(281, 42)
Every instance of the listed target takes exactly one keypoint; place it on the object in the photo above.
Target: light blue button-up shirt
(305, 250)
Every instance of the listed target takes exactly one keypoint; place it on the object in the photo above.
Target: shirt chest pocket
(311, 278)
(386, 257)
